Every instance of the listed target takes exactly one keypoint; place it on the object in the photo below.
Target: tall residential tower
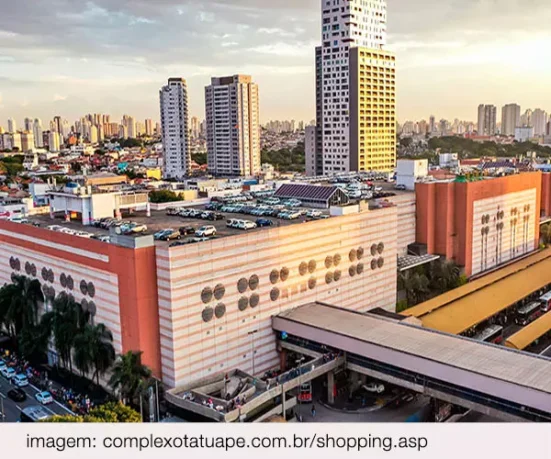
(487, 116)
(358, 101)
(175, 129)
(233, 128)
(510, 119)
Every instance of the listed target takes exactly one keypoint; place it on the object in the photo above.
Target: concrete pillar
(283, 360)
(148, 210)
(331, 387)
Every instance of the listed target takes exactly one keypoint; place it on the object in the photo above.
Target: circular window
(360, 268)
(253, 282)
(219, 291)
(337, 260)
(373, 265)
(70, 283)
(63, 280)
(303, 268)
(242, 285)
(45, 274)
(312, 283)
(207, 315)
(17, 264)
(91, 290)
(92, 309)
(84, 305)
(33, 270)
(50, 293)
(243, 303)
(374, 249)
(206, 295)
(352, 271)
(274, 294)
(274, 276)
(380, 262)
(28, 267)
(83, 287)
(328, 262)
(328, 278)
(284, 275)
(380, 248)
(13, 278)
(337, 275)
(12, 263)
(254, 301)
(312, 265)
(360, 253)
(483, 219)
(51, 276)
(353, 255)
(220, 310)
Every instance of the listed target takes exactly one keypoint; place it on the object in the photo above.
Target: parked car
(8, 372)
(206, 231)
(261, 222)
(182, 243)
(246, 225)
(186, 230)
(20, 380)
(169, 235)
(137, 228)
(400, 187)
(17, 395)
(172, 211)
(2, 365)
(313, 214)
(44, 398)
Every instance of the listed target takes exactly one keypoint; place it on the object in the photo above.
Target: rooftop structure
(312, 195)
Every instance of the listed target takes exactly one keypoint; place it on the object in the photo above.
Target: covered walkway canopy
(461, 309)
(530, 333)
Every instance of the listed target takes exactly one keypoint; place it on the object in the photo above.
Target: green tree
(200, 158)
(444, 276)
(65, 322)
(19, 303)
(93, 350)
(110, 412)
(163, 196)
(416, 286)
(546, 234)
(130, 378)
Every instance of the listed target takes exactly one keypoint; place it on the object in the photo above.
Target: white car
(206, 231)
(8, 372)
(374, 388)
(44, 398)
(20, 380)
(2, 365)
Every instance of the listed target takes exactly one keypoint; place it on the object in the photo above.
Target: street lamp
(251, 334)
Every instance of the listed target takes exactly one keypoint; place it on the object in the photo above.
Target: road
(12, 410)
(388, 414)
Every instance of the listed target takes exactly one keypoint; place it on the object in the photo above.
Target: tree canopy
(285, 159)
(162, 196)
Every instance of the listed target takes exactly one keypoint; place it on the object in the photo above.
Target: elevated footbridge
(490, 379)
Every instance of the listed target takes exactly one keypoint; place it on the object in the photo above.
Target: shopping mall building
(203, 309)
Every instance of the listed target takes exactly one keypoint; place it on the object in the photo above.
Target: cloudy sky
(72, 57)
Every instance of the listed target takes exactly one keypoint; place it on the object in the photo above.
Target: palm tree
(444, 276)
(415, 285)
(93, 349)
(19, 305)
(64, 322)
(130, 377)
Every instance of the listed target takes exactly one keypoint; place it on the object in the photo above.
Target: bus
(34, 413)
(527, 314)
(546, 302)
(491, 334)
(305, 393)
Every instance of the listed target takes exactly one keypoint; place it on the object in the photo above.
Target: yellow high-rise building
(372, 110)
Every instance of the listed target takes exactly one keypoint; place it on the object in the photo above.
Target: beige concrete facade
(216, 299)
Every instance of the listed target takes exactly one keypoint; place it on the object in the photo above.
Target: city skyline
(44, 72)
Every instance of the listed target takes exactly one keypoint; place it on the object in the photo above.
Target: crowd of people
(76, 402)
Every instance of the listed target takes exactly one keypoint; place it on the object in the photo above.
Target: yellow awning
(522, 339)
(467, 306)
